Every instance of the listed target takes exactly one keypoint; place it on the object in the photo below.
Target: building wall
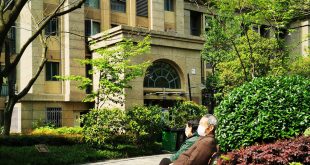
(32, 112)
(297, 39)
(181, 51)
(64, 48)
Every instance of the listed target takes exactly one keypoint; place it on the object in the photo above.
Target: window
(265, 31)
(282, 33)
(142, 8)
(162, 75)
(118, 5)
(53, 116)
(93, 3)
(195, 23)
(114, 25)
(168, 5)
(52, 69)
(51, 29)
(88, 69)
(91, 27)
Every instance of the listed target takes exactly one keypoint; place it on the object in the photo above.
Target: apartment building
(175, 26)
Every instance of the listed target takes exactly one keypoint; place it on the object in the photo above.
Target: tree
(9, 13)
(245, 39)
(112, 70)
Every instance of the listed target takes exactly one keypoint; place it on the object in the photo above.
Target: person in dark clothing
(201, 152)
(192, 137)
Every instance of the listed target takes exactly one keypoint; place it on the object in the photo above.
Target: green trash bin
(169, 140)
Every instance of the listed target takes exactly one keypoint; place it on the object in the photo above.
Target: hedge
(264, 110)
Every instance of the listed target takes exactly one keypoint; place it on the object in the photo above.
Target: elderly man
(201, 151)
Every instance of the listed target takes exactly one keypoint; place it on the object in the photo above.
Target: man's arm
(183, 148)
(200, 155)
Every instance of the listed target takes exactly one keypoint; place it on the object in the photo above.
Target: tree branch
(11, 18)
(78, 5)
(2, 7)
(241, 62)
(37, 33)
(31, 82)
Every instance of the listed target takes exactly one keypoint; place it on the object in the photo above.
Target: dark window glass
(51, 28)
(264, 31)
(52, 69)
(93, 3)
(54, 116)
(168, 5)
(162, 75)
(114, 25)
(142, 8)
(91, 27)
(282, 33)
(195, 22)
(88, 68)
(118, 5)
(12, 39)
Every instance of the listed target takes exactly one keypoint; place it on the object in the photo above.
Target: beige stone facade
(175, 27)
(181, 51)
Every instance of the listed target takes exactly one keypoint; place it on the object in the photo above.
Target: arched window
(162, 75)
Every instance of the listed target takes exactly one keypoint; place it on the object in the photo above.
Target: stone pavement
(145, 160)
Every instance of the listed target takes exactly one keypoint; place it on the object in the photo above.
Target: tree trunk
(8, 117)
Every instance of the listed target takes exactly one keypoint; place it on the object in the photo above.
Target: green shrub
(185, 111)
(144, 123)
(30, 140)
(301, 67)
(102, 124)
(57, 131)
(307, 132)
(263, 110)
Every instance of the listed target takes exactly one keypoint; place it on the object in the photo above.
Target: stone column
(157, 15)
(304, 38)
(73, 49)
(179, 16)
(131, 14)
(105, 15)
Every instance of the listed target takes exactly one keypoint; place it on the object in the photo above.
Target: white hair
(211, 120)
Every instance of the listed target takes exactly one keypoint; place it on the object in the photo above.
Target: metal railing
(54, 116)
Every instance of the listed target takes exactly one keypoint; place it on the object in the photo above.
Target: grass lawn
(71, 154)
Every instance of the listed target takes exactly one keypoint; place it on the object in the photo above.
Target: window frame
(169, 5)
(88, 4)
(140, 5)
(161, 70)
(53, 116)
(195, 31)
(49, 75)
(117, 4)
(91, 32)
(52, 29)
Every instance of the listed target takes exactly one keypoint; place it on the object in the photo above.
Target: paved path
(145, 160)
